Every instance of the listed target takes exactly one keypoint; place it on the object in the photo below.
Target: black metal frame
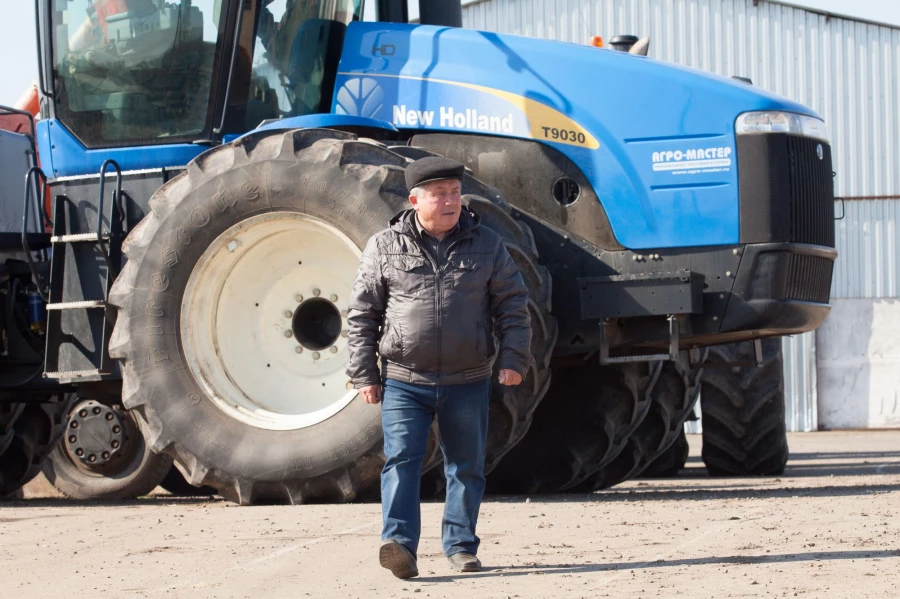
(42, 49)
(37, 193)
(392, 11)
(674, 321)
(118, 228)
(431, 12)
(235, 45)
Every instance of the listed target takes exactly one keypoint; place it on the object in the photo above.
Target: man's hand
(372, 393)
(509, 377)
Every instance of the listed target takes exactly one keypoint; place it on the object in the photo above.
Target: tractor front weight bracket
(674, 346)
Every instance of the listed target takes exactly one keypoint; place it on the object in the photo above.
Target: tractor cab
(142, 72)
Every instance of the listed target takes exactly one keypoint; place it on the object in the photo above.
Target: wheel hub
(316, 323)
(96, 434)
(263, 320)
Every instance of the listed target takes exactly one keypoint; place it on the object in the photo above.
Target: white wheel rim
(238, 326)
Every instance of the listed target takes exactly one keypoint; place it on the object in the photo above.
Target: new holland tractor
(178, 267)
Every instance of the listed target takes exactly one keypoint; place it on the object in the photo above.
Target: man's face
(439, 207)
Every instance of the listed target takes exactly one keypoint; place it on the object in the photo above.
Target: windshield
(135, 71)
(289, 64)
(141, 72)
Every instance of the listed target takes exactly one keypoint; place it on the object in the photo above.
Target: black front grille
(811, 191)
(786, 190)
(809, 278)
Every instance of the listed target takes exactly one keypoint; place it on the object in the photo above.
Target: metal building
(847, 70)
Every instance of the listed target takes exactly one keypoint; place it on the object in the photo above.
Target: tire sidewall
(340, 197)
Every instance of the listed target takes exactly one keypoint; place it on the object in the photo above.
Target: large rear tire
(104, 456)
(231, 310)
(742, 407)
(28, 432)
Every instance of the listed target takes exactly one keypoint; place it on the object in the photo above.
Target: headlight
(781, 122)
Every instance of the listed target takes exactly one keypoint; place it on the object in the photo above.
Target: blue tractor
(211, 169)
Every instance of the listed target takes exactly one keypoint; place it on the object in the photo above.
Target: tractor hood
(655, 140)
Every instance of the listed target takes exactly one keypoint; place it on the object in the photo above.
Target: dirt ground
(828, 528)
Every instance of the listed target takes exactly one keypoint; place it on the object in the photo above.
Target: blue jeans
(406, 415)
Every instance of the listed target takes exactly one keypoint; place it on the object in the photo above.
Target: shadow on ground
(531, 569)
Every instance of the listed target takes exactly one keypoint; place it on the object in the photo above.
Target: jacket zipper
(440, 300)
(439, 275)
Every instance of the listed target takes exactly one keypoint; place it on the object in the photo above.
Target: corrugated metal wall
(848, 71)
(867, 239)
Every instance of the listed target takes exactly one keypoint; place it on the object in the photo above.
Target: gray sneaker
(398, 559)
(464, 562)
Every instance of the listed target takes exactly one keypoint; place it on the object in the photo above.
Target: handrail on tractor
(34, 174)
(117, 203)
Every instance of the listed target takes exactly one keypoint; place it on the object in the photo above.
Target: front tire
(671, 461)
(672, 397)
(585, 421)
(744, 432)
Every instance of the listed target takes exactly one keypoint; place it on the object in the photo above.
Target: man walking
(430, 293)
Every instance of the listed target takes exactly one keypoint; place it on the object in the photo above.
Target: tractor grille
(786, 190)
(811, 192)
(809, 278)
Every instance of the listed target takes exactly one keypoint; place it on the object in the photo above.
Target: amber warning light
(597, 41)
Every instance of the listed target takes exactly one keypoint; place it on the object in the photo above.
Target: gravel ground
(827, 528)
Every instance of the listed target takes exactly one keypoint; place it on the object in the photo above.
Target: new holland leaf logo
(360, 96)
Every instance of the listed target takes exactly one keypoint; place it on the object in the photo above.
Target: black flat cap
(432, 168)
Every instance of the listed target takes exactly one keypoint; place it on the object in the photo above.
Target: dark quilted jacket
(434, 327)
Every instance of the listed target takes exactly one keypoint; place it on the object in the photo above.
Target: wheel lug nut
(105, 455)
(96, 411)
(317, 292)
(288, 313)
(349, 385)
(344, 333)
(83, 413)
(74, 424)
(117, 429)
(79, 452)
(92, 458)
(299, 298)
(332, 349)
(315, 355)
(109, 416)
(115, 444)
(73, 439)
(288, 333)
(344, 313)
(333, 297)
(298, 349)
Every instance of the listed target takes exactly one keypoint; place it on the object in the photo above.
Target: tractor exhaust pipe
(440, 12)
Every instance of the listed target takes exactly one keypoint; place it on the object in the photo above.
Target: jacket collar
(405, 224)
